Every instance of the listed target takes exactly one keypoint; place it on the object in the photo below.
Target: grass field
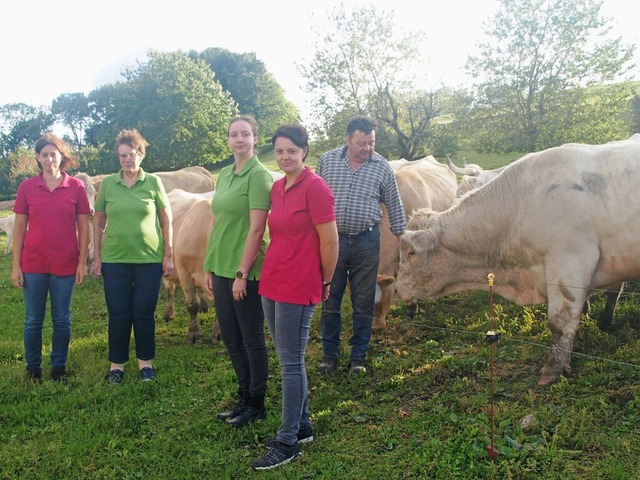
(423, 410)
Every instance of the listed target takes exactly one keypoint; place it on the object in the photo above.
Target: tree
(176, 105)
(535, 71)
(358, 67)
(74, 112)
(22, 125)
(252, 87)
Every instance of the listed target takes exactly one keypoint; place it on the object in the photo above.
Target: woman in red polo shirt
(296, 275)
(50, 243)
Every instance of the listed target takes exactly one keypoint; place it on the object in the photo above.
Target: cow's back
(194, 179)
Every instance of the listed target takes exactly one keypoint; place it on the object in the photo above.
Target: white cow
(192, 223)
(424, 183)
(553, 227)
(473, 176)
(6, 225)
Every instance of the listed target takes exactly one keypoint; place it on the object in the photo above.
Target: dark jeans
(37, 286)
(289, 326)
(242, 329)
(358, 260)
(131, 292)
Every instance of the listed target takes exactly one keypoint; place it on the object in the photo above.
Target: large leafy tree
(359, 66)
(74, 112)
(21, 125)
(252, 87)
(535, 72)
(175, 103)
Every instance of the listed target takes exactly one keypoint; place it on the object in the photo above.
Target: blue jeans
(358, 260)
(131, 292)
(289, 326)
(36, 288)
(242, 330)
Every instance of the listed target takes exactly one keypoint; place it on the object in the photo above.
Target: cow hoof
(547, 379)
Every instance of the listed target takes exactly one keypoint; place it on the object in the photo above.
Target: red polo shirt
(51, 240)
(292, 271)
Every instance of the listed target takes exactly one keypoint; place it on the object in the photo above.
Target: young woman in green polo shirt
(232, 264)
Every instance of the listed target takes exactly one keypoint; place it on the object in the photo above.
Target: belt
(354, 235)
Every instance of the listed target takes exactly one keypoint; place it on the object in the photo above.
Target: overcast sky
(67, 46)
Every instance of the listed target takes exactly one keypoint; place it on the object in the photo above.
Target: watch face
(239, 274)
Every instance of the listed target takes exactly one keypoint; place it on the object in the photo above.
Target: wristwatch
(325, 284)
(239, 274)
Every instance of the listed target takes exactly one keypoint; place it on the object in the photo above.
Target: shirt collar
(141, 176)
(63, 184)
(250, 165)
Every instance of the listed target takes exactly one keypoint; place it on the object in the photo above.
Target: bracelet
(325, 284)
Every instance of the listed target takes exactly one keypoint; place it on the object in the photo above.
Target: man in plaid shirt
(361, 180)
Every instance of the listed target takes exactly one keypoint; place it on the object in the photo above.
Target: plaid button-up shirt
(358, 194)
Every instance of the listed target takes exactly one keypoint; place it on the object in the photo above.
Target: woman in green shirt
(232, 267)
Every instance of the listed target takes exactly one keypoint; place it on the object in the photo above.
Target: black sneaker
(305, 435)
(358, 366)
(277, 455)
(115, 376)
(234, 412)
(147, 374)
(59, 374)
(248, 415)
(328, 365)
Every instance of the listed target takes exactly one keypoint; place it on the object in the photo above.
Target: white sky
(48, 48)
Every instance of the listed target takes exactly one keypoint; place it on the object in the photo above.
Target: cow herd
(554, 227)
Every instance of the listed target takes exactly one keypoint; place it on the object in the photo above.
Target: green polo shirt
(133, 233)
(237, 194)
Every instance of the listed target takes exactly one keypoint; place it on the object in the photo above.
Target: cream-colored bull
(554, 227)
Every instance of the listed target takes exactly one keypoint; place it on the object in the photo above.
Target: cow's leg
(202, 301)
(384, 292)
(564, 311)
(169, 309)
(193, 335)
(606, 317)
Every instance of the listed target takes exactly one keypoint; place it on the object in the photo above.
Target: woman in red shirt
(296, 275)
(50, 244)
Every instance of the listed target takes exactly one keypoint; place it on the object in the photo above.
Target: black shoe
(115, 376)
(34, 376)
(358, 366)
(59, 374)
(277, 455)
(305, 435)
(248, 415)
(234, 412)
(147, 374)
(328, 365)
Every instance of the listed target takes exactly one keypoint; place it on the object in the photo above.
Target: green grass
(422, 411)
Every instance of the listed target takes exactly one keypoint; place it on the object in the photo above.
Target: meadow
(425, 409)
(436, 396)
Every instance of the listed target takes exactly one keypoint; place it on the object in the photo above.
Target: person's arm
(99, 224)
(19, 230)
(164, 217)
(83, 244)
(328, 234)
(257, 225)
